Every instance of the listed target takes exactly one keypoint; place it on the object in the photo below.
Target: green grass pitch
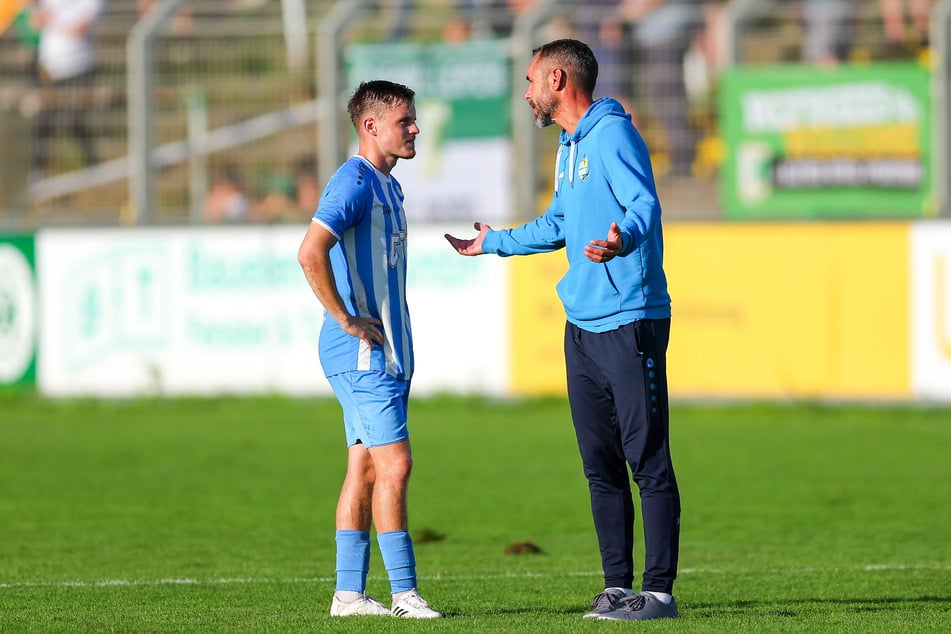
(217, 516)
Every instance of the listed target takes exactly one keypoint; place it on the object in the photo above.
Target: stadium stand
(226, 62)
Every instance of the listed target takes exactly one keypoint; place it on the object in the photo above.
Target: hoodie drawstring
(571, 166)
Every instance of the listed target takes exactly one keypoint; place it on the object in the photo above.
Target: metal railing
(941, 54)
(178, 154)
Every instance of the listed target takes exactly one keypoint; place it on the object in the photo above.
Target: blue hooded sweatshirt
(602, 174)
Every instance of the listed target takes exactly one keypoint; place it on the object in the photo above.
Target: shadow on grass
(791, 608)
(801, 607)
(526, 610)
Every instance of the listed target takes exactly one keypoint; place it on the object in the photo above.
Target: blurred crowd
(660, 58)
(282, 196)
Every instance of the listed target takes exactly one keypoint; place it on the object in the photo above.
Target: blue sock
(398, 559)
(353, 560)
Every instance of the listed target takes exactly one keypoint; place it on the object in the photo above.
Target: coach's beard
(543, 118)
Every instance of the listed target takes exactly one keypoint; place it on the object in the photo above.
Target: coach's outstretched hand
(603, 250)
(473, 246)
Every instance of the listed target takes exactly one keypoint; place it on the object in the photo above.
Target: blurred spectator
(289, 197)
(28, 36)
(66, 63)
(278, 203)
(457, 30)
(598, 24)
(664, 31)
(226, 201)
(477, 19)
(825, 23)
(708, 51)
(491, 18)
(897, 38)
(181, 20)
(307, 188)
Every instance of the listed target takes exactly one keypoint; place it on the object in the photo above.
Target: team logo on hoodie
(583, 172)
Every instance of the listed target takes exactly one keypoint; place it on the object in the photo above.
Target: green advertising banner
(471, 81)
(841, 142)
(18, 316)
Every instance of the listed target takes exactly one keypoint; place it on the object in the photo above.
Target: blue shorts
(374, 407)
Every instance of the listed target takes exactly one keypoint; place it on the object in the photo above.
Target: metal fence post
(736, 13)
(330, 140)
(198, 157)
(524, 136)
(139, 89)
(940, 16)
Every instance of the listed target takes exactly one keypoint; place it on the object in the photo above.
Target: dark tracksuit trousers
(617, 390)
(67, 112)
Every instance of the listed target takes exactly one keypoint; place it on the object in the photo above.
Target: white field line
(225, 581)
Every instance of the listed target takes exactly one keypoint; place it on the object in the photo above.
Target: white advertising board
(457, 180)
(931, 311)
(183, 311)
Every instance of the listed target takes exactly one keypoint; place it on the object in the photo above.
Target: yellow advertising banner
(760, 310)
(799, 310)
(538, 324)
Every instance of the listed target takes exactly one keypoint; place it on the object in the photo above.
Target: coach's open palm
(473, 246)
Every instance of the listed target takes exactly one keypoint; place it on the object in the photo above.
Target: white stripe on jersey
(396, 260)
(386, 253)
(359, 295)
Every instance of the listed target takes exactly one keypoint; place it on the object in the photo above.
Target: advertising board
(931, 311)
(18, 337)
(206, 311)
(844, 142)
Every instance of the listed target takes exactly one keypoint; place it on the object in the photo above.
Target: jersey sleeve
(345, 201)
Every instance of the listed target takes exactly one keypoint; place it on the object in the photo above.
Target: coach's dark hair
(377, 95)
(575, 58)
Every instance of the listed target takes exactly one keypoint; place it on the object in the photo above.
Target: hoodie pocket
(588, 292)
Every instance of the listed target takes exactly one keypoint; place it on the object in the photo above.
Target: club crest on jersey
(583, 172)
(387, 211)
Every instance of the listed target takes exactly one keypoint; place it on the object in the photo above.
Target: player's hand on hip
(473, 246)
(368, 329)
(603, 250)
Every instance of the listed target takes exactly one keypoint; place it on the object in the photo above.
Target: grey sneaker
(605, 602)
(361, 606)
(641, 607)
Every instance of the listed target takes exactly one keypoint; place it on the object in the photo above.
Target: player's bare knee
(395, 468)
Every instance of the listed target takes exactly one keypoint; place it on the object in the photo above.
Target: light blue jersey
(363, 209)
